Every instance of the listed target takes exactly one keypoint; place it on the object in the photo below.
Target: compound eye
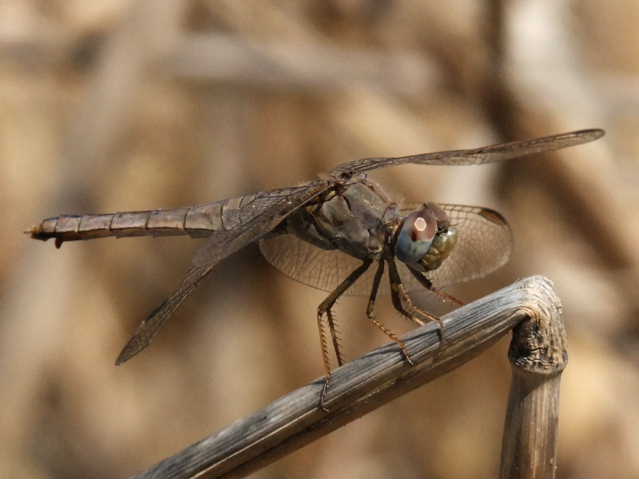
(414, 238)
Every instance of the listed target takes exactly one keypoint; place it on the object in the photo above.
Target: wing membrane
(252, 216)
(152, 324)
(313, 266)
(484, 244)
(475, 156)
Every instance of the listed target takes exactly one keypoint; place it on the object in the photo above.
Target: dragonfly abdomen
(196, 221)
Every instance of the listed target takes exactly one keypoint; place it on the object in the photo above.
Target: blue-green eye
(425, 238)
(415, 237)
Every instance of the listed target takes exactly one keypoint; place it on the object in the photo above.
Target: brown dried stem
(360, 386)
(538, 356)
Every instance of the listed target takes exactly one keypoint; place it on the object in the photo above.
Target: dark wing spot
(493, 216)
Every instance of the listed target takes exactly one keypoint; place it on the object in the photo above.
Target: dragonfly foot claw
(321, 405)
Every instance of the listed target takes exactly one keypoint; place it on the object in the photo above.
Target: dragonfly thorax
(351, 217)
(425, 238)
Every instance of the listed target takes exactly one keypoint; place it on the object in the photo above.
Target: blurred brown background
(129, 105)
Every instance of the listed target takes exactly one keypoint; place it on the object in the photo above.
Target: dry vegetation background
(119, 105)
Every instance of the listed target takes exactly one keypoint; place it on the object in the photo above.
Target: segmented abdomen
(195, 221)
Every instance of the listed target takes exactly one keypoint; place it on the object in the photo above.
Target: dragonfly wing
(245, 220)
(313, 266)
(484, 244)
(325, 269)
(475, 156)
(152, 324)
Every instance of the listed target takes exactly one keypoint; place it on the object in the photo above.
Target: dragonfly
(328, 233)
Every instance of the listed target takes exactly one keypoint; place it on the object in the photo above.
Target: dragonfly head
(425, 238)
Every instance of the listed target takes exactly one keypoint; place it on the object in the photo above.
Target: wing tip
(130, 349)
(590, 134)
(500, 220)
(493, 216)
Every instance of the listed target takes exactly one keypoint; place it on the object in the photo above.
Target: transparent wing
(245, 220)
(475, 156)
(315, 267)
(484, 244)
(152, 324)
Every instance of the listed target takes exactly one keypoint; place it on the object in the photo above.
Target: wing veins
(475, 156)
(218, 246)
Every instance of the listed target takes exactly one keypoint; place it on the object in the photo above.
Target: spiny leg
(332, 325)
(370, 313)
(376, 280)
(325, 354)
(398, 291)
(426, 283)
(324, 310)
(400, 296)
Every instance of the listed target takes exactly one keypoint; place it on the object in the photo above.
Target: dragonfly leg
(370, 313)
(324, 312)
(397, 292)
(401, 297)
(446, 297)
(426, 283)
(376, 280)
(332, 325)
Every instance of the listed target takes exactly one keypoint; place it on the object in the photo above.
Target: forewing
(475, 156)
(243, 221)
(484, 244)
